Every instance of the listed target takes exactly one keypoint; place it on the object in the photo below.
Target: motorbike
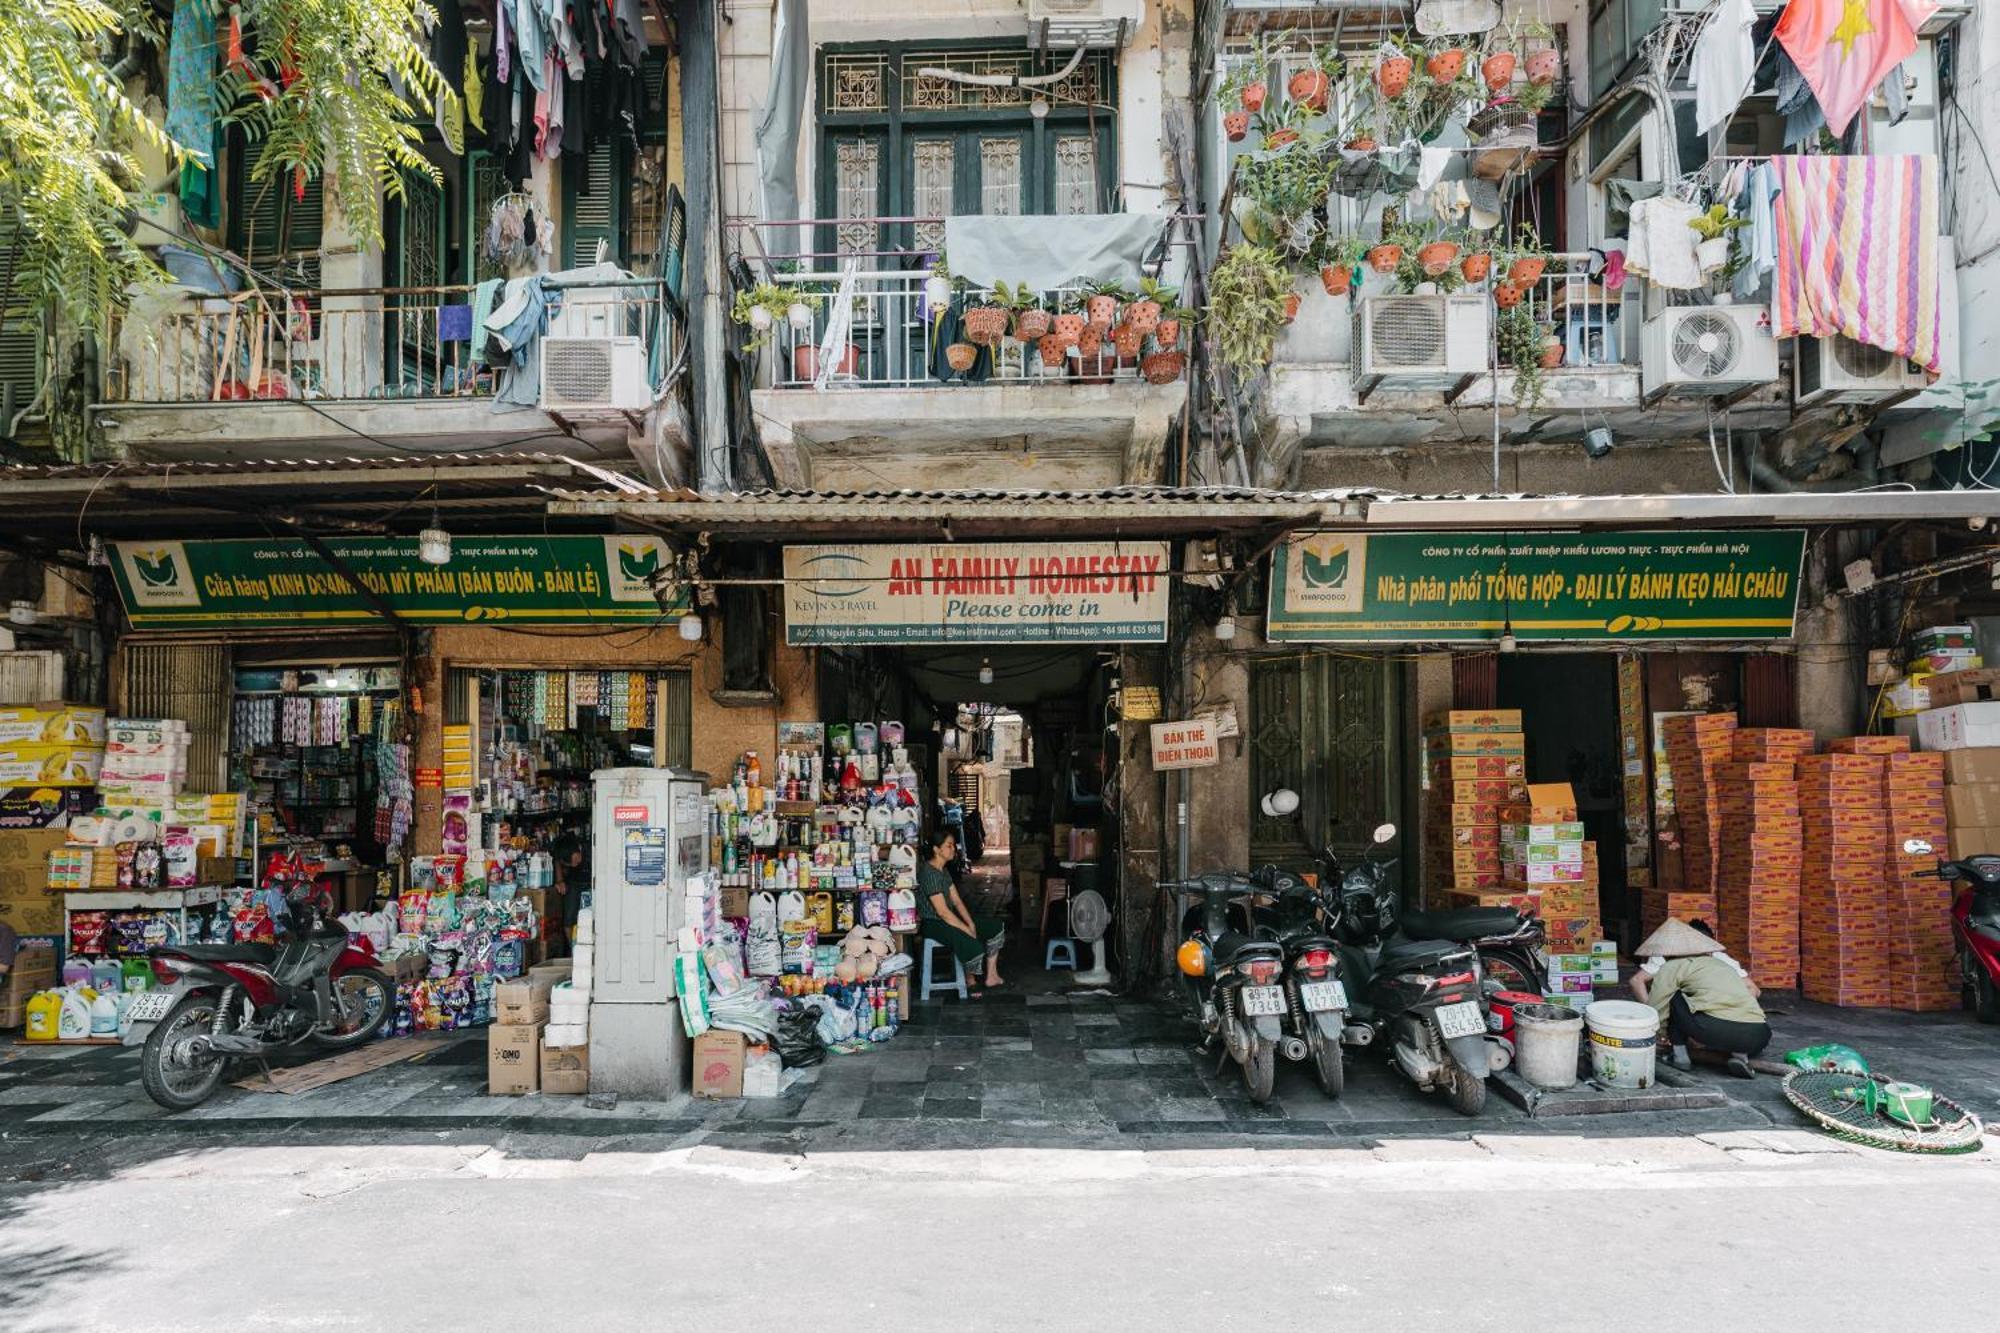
(214, 1003)
(1975, 925)
(1418, 996)
(1302, 918)
(1234, 974)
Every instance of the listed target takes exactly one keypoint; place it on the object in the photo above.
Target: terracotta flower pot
(1127, 339)
(1445, 65)
(1253, 96)
(1310, 88)
(1384, 258)
(960, 356)
(1091, 343)
(1436, 257)
(1338, 279)
(1103, 312)
(1069, 327)
(1030, 325)
(1053, 349)
(1163, 367)
(1278, 138)
(1361, 143)
(1498, 70)
(1292, 300)
(986, 325)
(1527, 271)
(1506, 295)
(1552, 354)
(1544, 64)
(1167, 333)
(805, 361)
(1236, 124)
(1393, 75)
(1143, 316)
(1474, 267)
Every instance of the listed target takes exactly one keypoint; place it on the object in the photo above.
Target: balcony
(374, 372)
(859, 395)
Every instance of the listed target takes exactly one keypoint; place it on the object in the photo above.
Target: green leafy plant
(773, 300)
(1519, 339)
(1246, 307)
(1017, 297)
(1151, 289)
(1716, 222)
(1534, 97)
(1288, 187)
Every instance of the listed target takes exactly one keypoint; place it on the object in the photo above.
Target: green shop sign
(255, 583)
(1413, 587)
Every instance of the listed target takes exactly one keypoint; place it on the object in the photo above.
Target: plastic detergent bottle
(104, 1015)
(44, 1015)
(107, 975)
(74, 1019)
(137, 974)
(76, 972)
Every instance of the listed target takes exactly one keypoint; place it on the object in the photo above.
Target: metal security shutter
(676, 719)
(191, 682)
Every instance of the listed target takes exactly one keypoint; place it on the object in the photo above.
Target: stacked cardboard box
(1761, 852)
(1475, 761)
(1843, 925)
(1696, 743)
(51, 745)
(1656, 905)
(34, 970)
(1922, 956)
(1544, 852)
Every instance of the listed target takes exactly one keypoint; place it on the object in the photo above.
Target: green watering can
(1906, 1103)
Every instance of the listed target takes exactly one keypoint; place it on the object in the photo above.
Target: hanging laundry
(1844, 48)
(191, 119)
(1661, 245)
(1724, 64)
(448, 53)
(1858, 252)
(1760, 239)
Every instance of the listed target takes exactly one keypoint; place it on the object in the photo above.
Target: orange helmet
(1193, 958)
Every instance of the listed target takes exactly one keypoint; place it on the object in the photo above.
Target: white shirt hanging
(1724, 64)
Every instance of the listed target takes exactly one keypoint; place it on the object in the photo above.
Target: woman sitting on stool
(944, 917)
(1706, 1000)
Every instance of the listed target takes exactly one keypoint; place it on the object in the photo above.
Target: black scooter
(1303, 918)
(1234, 973)
(1419, 997)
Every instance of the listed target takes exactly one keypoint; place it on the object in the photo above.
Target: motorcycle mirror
(1385, 833)
(1916, 847)
(1280, 803)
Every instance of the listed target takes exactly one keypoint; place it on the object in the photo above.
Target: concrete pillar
(1832, 642)
(350, 342)
(1429, 691)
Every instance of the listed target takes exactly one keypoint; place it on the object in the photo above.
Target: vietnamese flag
(1845, 48)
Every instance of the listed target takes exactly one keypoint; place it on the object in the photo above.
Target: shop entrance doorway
(1569, 712)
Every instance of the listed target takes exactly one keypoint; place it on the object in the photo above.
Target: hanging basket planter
(1310, 88)
(1361, 143)
(1031, 325)
(1163, 367)
(1392, 76)
(1544, 64)
(1506, 295)
(1103, 312)
(1167, 333)
(986, 325)
(1445, 65)
(1278, 138)
(1338, 279)
(1437, 256)
(1474, 267)
(1383, 258)
(1236, 124)
(1069, 328)
(1253, 95)
(960, 356)
(1527, 270)
(1498, 70)
(1292, 301)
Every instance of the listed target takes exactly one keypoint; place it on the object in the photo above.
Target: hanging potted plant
(1286, 127)
(1030, 320)
(1246, 307)
(1127, 339)
(1387, 253)
(1498, 70)
(986, 322)
(1393, 68)
(1068, 325)
(1340, 265)
(1437, 252)
(1311, 86)
(1244, 85)
(1236, 125)
(1144, 310)
(1476, 265)
(1163, 365)
(1101, 306)
(1445, 62)
(760, 309)
(937, 288)
(1713, 227)
(1287, 193)
(1527, 260)
(1507, 295)
(1293, 300)
(960, 356)
(1519, 340)
(1168, 333)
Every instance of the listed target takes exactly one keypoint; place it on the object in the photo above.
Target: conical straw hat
(1676, 939)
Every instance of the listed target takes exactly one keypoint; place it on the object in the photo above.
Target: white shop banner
(971, 592)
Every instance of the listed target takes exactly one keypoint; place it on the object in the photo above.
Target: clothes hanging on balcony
(1724, 64)
(191, 119)
(515, 328)
(1660, 247)
(448, 49)
(1754, 201)
(1857, 252)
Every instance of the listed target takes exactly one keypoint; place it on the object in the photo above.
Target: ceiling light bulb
(985, 671)
(1225, 628)
(1507, 641)
(434, 546)
(691, 627)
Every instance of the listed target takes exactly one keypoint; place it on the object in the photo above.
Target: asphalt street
(1778, 1229)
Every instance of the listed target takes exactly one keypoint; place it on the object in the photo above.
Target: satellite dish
(1089, 918)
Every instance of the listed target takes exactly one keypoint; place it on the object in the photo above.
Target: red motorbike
(1975, 924)
(215, 1003)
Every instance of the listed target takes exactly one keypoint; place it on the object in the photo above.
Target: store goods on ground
(1761, 851)
(1475, 763)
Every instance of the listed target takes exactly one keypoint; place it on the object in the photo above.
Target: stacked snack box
(1475, 761)
(1762, 852)
(1922, 957)
(1546, 855)
(1696, 743)
(1843, 917)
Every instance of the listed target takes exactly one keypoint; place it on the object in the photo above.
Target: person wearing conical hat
(1703, 996)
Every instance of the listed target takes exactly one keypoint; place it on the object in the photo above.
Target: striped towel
(1858, 252)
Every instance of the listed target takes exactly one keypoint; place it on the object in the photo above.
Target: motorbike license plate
(1259, 1001)
(1319, 996)
(1461, 1020)
(150, 1006)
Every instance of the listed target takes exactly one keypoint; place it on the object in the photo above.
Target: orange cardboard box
(1472, 766)
(1476, 719)
(1475, 858)
(1477, 743)
(1473, 814)
(1871, 745)
(1474, 835)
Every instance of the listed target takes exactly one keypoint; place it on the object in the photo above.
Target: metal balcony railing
(348, 344)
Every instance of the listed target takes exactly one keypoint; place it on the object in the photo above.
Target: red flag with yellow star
(1845, 48)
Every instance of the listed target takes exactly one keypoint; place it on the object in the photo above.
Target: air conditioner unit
(1068, 24)
(1707, 350)
(584, 377)
(1841, 370)
(1420, 342)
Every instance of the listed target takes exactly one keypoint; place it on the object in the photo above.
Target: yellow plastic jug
(44, 1015)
